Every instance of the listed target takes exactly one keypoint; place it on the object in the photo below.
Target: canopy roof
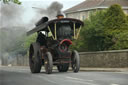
(44, 26)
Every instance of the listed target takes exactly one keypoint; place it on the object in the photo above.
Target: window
(64, 31)
(83, 18)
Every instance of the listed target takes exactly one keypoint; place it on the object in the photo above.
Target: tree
(104, 30)
(116, 27)
(11, 40)
(127, 17)
(93, 32)
(14, 1)
(28, 40)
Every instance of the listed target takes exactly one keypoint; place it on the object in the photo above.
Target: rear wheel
(35, 62)
(75, 61)
(48, 63)
(63, 67)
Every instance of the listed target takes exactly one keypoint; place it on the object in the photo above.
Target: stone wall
(18, 60)
(104, 59)
(109, 59)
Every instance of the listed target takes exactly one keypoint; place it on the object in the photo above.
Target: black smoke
(51, 11)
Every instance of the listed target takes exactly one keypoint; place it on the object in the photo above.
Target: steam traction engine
(52, 45)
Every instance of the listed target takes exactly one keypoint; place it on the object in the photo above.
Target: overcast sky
(30, 12)
(25, 15)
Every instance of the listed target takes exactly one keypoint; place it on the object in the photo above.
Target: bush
(104, 30)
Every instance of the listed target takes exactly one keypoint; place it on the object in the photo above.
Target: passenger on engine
(60, 15)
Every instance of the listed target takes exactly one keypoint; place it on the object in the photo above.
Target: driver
(60, 15)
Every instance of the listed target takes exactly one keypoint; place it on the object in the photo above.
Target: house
(82, 10)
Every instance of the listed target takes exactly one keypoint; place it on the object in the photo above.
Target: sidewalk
(101, 69)
(105, 69)
(81, 69)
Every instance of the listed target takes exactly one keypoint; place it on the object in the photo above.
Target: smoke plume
(10, 15)
(51, 11)
(11, 28)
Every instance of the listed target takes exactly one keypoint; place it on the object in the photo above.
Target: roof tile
(96, 3)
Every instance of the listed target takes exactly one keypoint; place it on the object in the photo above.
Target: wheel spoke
(75, 61)
(48, 63)
(35, 62)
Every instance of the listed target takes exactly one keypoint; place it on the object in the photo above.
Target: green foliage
(104, 30)
(93, 32)
(28, 40)
(127, 18)
(121, 40)
(77, 44)
(116, 27)
(15, 41)
(11, 42)
(14, 1)
(115, 19)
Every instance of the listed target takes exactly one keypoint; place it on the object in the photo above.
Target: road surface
(22, 76)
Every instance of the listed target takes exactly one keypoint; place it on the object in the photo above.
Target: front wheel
(48, 63)
(75, 61)
(35, 62)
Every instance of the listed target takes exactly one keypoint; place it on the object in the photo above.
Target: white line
(77, 79)
(114, 84)
(81, 80)
(47, 79)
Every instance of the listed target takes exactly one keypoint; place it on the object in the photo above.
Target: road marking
(81, 80)
(73, 78)
(77, 78)
(114, 84)
(85, 83)
(47, 79)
